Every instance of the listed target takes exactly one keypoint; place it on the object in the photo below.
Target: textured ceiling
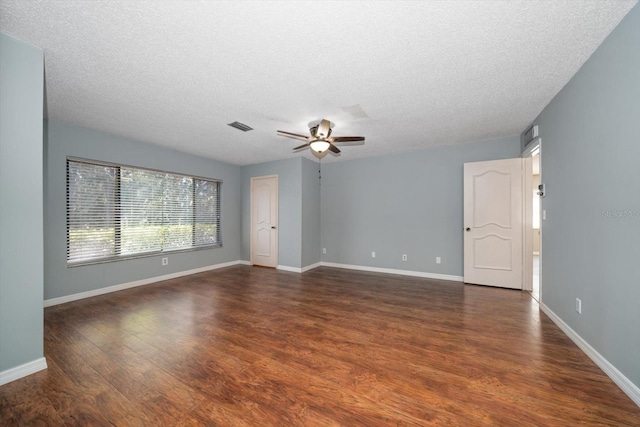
(405, 75)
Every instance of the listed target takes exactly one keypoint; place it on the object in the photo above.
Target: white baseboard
(394, 271)
(618, 377)
(123, 286)
(23, 370)
(366, 268)
(311, 267)
(291, 269)
(298, 269)
(283, 267)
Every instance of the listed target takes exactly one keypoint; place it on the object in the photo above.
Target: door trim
(527, 221)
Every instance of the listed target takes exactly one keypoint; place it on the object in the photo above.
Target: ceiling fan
(320, 141)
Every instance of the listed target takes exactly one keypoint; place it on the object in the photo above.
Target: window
(116, 212)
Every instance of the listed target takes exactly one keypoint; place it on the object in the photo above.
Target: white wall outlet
(579, 305)
(404, 257)
(438, 260)
(544, 214)
(165, 261)
(373, 254)
(324, 251)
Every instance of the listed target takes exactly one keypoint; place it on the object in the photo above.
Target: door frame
(527, 222)
(251, 225)
(532, 148)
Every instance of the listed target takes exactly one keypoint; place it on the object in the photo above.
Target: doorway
(534, 211)
(264, 221)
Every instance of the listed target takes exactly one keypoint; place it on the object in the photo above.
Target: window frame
(117, 218)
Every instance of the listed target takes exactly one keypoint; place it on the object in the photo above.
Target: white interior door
(264, 221)
(493, 223)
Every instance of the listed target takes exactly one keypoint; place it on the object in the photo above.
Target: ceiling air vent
(241, 126)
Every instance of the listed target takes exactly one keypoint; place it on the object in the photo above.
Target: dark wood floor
(259, 347)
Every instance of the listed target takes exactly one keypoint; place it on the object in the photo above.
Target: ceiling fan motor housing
(324, 129)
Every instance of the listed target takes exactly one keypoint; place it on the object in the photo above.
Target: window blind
(117, 212)
(206, 213)
(91, 211)
(178, 212)
(141, 204)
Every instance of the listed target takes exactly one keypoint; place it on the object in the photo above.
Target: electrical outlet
(438, 260)
(404, 257)
(324, 251)
(165, 261)
(373, 254)
(579, 305)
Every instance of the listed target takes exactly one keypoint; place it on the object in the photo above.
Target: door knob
(273, 227)
(468, 229)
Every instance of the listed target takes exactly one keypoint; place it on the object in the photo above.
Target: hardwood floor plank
(71, 403)
(26, 389)
(37, 413)
(246, 346)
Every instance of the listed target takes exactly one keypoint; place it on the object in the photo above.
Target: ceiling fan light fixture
(319, 145)
(319, 155)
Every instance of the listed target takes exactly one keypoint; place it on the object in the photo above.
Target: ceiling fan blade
(334, 148)
(348, 139)
(301, 146)
(293, 135)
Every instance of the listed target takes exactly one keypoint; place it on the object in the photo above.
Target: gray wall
(62, 140)
(289, 208)
(311, 252)
(590, 164)
(21, 212)
(409, 203)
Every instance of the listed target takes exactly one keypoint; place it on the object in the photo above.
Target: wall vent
(530, 134)
(240, 126)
